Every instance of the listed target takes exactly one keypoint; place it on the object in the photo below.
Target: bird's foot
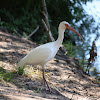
(50, 90)
(47, 88)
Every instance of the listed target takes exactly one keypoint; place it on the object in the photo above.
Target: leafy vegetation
(24, 16)
(20, 70)
(7, 76)
(70, 48)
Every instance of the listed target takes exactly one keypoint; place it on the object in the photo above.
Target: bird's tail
(21, 63)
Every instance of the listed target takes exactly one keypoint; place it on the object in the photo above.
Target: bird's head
(65, 25)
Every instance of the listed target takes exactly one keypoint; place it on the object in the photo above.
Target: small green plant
(20, 70)
(4, 75)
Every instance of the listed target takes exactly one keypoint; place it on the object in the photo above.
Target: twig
(46, 23)
(46, 19)
(17, 33)
(32, 32)
(46, 28)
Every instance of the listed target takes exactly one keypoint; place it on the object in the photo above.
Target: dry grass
(35, 72)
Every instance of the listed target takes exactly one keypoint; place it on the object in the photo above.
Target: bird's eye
(66, 25)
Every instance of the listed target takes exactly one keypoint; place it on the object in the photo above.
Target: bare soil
(65, 76)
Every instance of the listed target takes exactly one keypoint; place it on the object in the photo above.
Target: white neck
(60, 36)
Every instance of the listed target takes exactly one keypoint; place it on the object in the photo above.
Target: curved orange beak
(70, 28)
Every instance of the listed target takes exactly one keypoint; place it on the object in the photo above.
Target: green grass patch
(4, 75)
(20, 70)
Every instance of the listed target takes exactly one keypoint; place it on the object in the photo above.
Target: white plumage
(42, 54)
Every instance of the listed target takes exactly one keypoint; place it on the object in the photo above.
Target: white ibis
(43, 53)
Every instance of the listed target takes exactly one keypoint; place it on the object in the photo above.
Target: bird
(44, 53)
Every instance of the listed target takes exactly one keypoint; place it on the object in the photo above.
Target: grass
(20, 70)
(4, 75)
(13, 77)
(34, 72)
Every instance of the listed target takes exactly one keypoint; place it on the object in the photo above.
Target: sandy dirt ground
(63, 74)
